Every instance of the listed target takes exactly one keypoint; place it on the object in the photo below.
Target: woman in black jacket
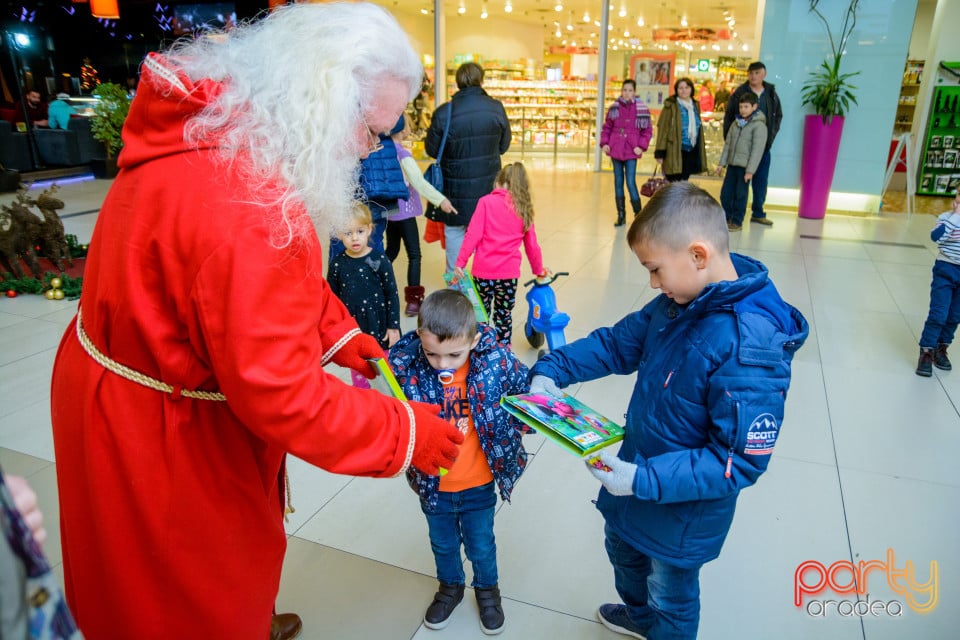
(479, 135)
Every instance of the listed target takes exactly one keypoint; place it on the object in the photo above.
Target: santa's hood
(166, 99)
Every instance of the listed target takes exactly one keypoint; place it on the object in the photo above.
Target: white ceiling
(659, 14)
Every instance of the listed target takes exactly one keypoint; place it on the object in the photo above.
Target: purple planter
(820, 146)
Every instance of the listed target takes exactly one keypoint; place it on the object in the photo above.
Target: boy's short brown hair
(447, 313)
(749, 97)
(678, 214)
(469, 74)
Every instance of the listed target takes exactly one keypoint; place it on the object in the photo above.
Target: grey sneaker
(940, 359)
(445, 600)
(614, 617)
(491, 611)
(925, 363)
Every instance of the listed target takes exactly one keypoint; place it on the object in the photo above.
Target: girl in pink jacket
(502, 221)
(625, 136)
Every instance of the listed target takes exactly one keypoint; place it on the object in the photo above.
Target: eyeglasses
(375, 145)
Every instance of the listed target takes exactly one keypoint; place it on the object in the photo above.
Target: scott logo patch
(762, 435)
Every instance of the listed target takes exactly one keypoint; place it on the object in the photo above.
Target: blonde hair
(294, 88)
(514, 178)
(360, 213)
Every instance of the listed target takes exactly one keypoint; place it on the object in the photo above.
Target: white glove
(619, 479)
(544, 385)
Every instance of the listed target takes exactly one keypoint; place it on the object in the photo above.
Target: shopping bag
(653, 184)
(433, 232)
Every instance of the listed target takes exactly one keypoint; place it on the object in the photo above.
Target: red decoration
(11, 293)
(105, 9)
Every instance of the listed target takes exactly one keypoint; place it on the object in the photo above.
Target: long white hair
(295, 87)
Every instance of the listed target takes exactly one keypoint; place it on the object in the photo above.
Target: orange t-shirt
(471, 468)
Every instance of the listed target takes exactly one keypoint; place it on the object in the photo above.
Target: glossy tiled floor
(866, 462)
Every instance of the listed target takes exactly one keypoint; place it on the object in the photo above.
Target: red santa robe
(170, 507)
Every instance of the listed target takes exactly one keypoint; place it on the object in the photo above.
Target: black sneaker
(615, 618)
(925, 363)
(940, 359)
(444, 602)
(491, 612)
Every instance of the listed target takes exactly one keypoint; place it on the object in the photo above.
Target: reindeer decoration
(21, 230)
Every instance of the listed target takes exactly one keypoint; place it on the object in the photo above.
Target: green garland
(71, 286)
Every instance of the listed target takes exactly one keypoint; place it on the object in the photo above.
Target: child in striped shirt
(944, 314)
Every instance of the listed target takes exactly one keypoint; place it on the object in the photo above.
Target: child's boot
(445, 600)
(491, 612)
(413, 297)
(940, 359)
(636, 206)
(925, 363)
(621, 212)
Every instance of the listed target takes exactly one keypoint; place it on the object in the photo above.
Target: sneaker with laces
(940, 359)
(733, 227)
(764, 221)
(614, 617)
(925, 363)
(491, 610)
(445, 600)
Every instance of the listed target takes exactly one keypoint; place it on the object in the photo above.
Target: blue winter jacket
(494, 372)
(381, 179)
(706, 410)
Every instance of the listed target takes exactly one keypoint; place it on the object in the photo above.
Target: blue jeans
(626, 168)
(944, 315)
(759, 183)
(465, 518)
(453, 238)
(662, 600)
(733, 194)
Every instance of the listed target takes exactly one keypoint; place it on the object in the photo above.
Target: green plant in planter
(828, 90)
(109, 113)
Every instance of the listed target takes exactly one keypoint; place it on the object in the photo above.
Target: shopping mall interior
(863, 471)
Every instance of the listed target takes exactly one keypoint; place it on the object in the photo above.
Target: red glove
(355, 353)
(437, 440)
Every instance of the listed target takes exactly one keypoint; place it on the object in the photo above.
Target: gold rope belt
(135, 376)
(152, 383)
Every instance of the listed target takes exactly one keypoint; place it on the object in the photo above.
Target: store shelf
(940, 168)
(909, 90)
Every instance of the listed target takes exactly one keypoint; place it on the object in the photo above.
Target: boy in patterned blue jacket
(452, 362)
(712, 357)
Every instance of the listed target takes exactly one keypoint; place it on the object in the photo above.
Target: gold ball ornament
(48, 294)
(58, 294)
(56, 283)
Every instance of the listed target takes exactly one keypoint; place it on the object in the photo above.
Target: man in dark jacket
(479, 135)
(769, 103)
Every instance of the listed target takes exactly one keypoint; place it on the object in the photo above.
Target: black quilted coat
(479, 135)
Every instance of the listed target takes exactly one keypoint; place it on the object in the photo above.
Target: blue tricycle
(544, 323)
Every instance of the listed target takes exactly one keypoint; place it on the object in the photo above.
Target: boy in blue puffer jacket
(452, 362)
(712, 356)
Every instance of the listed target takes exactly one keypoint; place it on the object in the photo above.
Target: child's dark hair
(678, 214)
(630, 82)
(749, 97)
(514, 178)
(447, 313)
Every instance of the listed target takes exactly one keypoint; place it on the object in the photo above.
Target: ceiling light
(729, 47)
(746, 47)
(483, 12)
(683, 21)
(586, 16)
(563, 41)
(461, 9)
(640, 21)
(508, 7)
(626, 33)
(558, 33)
(424, 11)
(558, 6)
(623, 12)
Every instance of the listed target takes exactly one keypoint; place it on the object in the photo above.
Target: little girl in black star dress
(362, 277)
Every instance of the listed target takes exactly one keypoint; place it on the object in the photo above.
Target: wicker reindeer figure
(51, 229)
(19, 231)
